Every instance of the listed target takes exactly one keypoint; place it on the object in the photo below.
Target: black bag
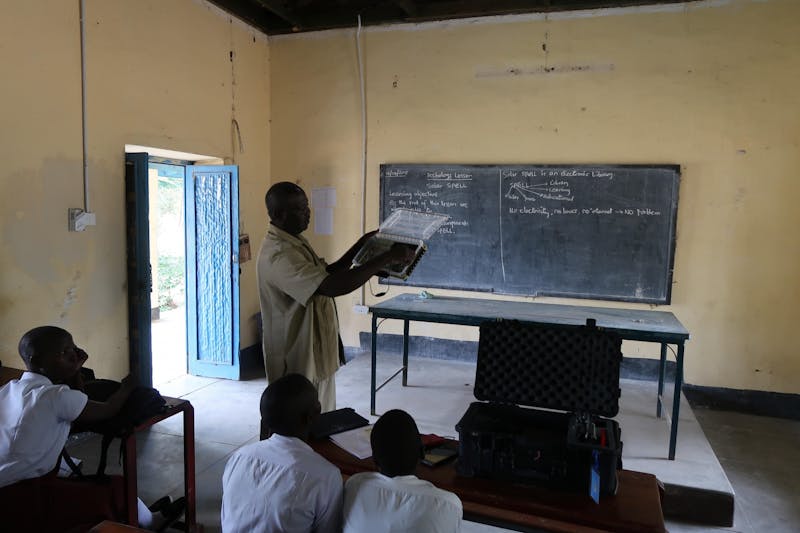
(337, 421)
(142, 404)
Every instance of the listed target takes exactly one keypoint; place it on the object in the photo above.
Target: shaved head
(287, 205)
(51, 352)
(288, 406)
(396, 445)
(41, 341)
(279, 195)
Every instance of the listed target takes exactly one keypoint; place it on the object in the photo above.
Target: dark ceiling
(275, 17)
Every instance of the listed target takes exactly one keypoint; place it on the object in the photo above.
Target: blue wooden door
(140, 276)
(212, 279)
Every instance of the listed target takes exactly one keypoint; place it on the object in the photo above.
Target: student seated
(281, 484)
(394, 499)
(36, 413)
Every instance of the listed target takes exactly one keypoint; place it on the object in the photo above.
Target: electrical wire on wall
(80, 219)
(236, 133)
(83, 109)
(378, 294)
(363, 142)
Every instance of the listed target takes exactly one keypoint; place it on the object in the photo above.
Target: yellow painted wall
(712, 86)
(158, 74)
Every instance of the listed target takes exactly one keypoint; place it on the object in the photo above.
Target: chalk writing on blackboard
(587, 231)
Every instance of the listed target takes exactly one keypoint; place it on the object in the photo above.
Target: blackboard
(580, 231)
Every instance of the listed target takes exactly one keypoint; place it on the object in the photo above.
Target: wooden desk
(107, 526)
(630, 324)
(174, 407)
(7, 374)
(635, 509)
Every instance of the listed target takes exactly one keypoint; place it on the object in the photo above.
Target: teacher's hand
(400, 254)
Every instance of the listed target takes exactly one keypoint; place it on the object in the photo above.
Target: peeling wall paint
(506, 72)
(71, 296)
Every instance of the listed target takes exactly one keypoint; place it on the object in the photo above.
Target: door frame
(140, 278)
(139, 269)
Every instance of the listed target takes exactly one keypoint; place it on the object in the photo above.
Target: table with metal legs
(630, 324)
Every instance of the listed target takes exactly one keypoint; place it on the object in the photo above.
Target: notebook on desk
(336, 421)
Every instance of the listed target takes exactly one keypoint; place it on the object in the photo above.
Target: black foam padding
(521, 445)
(564, 368)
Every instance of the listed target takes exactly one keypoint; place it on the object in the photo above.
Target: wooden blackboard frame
(485, 169)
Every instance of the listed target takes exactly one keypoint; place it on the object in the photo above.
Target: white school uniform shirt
(35, 418)
(280, 484)
(377, 503)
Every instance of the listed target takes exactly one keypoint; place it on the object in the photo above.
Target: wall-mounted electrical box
(79, 219)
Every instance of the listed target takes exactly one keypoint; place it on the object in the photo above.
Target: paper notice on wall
(323, 200)
(323, 197)
(323, 220)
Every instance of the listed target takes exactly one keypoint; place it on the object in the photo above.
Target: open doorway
(168, 261)
(183, 273)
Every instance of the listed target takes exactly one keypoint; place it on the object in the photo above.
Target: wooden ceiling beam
(477, 8)
(286, 14)
(250, 13)
(408, 6)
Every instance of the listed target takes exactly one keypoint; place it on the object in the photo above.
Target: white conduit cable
(83, 108)
(363, 141)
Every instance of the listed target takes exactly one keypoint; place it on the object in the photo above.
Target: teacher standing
(296, 291)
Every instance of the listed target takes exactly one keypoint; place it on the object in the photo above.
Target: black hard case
(574, 372)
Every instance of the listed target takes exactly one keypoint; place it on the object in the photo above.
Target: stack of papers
(355, 441)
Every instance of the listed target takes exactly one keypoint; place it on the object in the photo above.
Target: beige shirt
(301, 330)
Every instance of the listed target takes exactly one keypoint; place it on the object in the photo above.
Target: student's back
(394, 499)
(377, 503)
(281, 484)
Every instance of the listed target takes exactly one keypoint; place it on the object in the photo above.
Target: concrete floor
(168, 338)
(757, 454)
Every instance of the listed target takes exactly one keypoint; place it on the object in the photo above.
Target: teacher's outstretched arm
(344, 281)
(344, 262)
